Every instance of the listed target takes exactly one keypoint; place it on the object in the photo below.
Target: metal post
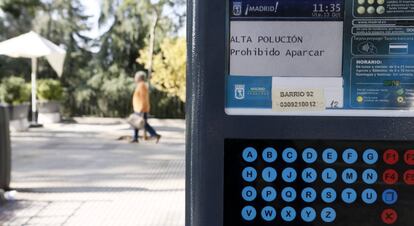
(34, 87)
(5, 149)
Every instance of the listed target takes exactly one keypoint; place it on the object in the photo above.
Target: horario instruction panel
(320, 57)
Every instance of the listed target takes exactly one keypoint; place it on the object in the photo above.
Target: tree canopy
(98, 72)
(169, 67)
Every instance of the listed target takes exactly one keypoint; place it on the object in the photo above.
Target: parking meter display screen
(320, 57)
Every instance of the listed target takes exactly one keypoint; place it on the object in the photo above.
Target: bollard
(5, 149)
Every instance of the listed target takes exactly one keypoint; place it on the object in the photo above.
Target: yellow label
(298, 100)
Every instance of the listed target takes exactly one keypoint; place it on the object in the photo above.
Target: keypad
(317, 183)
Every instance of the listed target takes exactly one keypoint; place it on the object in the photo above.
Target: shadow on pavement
(71, 173)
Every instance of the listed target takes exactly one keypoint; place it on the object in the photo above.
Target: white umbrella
(31, 45)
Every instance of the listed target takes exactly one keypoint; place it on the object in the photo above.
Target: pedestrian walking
(141, 105)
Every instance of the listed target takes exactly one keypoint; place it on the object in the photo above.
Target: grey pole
(5, 149)
(34, 87)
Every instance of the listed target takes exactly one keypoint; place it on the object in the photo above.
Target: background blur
(106, 42)
(78, 168)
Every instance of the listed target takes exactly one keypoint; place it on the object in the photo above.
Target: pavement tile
(80, 174)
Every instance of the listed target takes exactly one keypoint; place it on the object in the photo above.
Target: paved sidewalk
(80, 174)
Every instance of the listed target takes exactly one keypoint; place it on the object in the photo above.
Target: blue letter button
(269, 155)
(370, 156)
(349, 176)
(350, 156)
(370, 176)
(269, 174)
(289, 175)
(328, 195)
(289, 155)
(328, 215)
(329, 155)
(249, 193)
(268, 213)
(390, 196)
(309, 155)
(248, 213)
(329, 176)
(309, 175)
(249, 154)
(288, 214)
(369, 196)
(308, 214)
(249, 174)
(349, 195)
(309, 195)
(288, 194)
(269, 194)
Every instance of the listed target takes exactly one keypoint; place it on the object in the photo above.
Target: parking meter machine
(300, 112)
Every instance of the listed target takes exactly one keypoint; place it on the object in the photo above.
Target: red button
(389, 216)
(390, 176)
(409, 177)
(409, 157)
(391, 156)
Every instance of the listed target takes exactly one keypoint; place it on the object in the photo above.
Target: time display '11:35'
(327, 10)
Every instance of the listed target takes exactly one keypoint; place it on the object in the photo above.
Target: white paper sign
(298, 100)
(332, 87)
(283, 48)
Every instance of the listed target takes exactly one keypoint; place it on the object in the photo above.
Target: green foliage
(164, 105)
(126, 35)
(169, 67)
(49, 89)
(16, 18)
(14, 90)
(17, 7)
(131, 22)
(112, 94)
(64, 22)
(97, 77)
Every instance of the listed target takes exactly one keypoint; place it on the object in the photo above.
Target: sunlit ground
(80, 174)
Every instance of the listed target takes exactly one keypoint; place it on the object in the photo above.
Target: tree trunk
(152, 44)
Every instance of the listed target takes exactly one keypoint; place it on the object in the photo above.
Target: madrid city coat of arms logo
(237, 8)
